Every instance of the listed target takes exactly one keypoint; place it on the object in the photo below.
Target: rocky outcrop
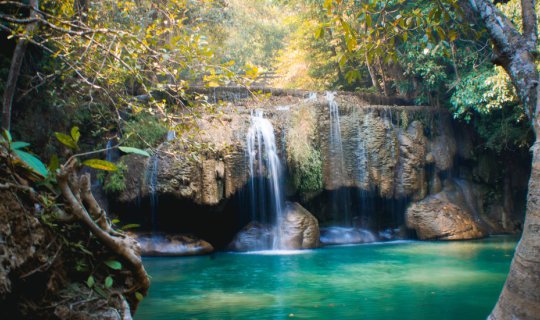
(437, 217)
(342, 235)
(403, 153)
(253, 237)
(172, 245)
(299, 228)
(384, 148)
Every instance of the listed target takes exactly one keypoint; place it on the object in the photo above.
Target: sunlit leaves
(100, 164)
(134, 151)
(66, 140)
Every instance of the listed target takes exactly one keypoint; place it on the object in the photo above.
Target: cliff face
(389, 152)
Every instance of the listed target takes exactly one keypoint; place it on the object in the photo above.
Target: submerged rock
(299, 228)
(343, 235)
(173, 245)
(436, 218)
(253, 237)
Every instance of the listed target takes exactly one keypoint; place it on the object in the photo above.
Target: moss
(143, 130)
(307, 175)
(115, 182)
(303, 158)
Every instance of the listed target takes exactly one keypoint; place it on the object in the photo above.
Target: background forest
(114, 72)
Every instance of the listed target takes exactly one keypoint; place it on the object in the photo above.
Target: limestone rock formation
(299, 228)
(398, 152)
(253, 237)
(436, 218)
(172, 245)
(342, 235)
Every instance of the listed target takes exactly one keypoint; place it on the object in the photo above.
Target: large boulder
(436, 218)
(253, 237)
(299, 228)
(172, 245)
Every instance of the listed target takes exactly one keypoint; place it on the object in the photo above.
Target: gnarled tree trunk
(15, 69)
(515, 52)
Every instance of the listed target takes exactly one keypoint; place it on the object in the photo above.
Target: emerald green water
(404, 280)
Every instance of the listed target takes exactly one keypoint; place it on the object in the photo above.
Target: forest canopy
(99, 59)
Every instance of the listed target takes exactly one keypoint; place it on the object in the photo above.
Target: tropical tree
(515, 49)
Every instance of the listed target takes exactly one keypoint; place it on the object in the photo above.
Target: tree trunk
(520, 297)
(372, 74)
(15, 69)
(385, 87)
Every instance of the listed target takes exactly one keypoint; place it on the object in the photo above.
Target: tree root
(81, 204)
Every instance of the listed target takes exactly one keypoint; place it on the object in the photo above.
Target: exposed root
(81, 204)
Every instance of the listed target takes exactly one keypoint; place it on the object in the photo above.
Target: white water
(152, 179)
(334, 139)
(341, 199)
(109, 153)
(264, 161)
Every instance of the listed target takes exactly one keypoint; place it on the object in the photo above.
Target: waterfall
(152, 179)
(108, 153)
(264, 162)
(341, 198)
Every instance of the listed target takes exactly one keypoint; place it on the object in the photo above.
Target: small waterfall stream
(263, 162)
(152, 179)
(341, 198)
(109, 153)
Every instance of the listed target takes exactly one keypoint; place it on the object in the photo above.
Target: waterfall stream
(341, 198)
(152, 179)
(263, 162)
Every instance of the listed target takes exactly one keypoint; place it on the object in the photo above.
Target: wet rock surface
(253, 237)
(172, 245)
(437, 217)
(344, 235)
(299, 228)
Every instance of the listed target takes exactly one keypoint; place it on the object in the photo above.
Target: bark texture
(15, 69)
(515, 52)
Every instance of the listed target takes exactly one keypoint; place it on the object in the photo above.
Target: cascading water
(341, 198)
(263, 161)
(108, 153)
(152, 179)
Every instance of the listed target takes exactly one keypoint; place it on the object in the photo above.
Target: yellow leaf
(100, 164)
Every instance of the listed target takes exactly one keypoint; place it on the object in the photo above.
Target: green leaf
(75, 134)
(7, 135)
(139, 296)
(130, 226)
(134, 150)
(319, 33)
(19, 145)
(100, 164)
(54, 163)
(90, 281)
(115, 221)
(32, 162)
(100, 292)
(113, 264)
(108, 282)
(66, 140)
